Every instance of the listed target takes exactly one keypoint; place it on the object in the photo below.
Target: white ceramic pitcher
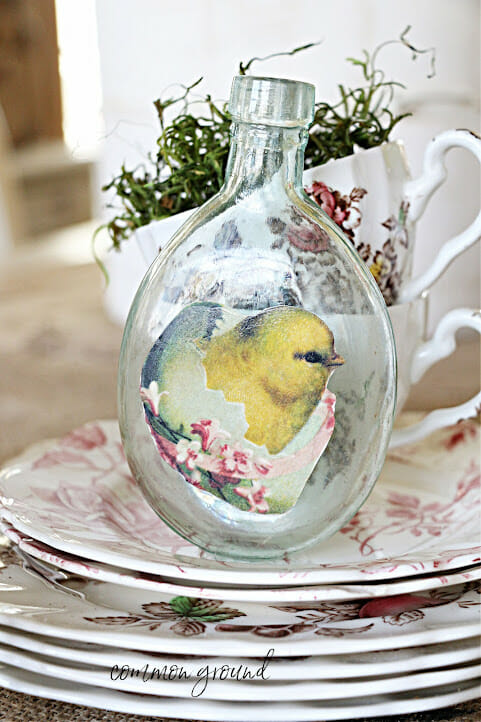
(372, 198)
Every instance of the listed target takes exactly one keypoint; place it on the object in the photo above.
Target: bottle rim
(272, 101)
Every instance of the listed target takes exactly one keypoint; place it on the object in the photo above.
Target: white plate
(79, 609)
(424, 699)
(423, 515)
(107, 573)
(197, 684)
(336, 666)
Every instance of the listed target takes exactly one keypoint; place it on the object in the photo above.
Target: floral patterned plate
(106, 573)
(195, 683)
(78, 496)
(28, 682)
(56, 604)
(337, 666)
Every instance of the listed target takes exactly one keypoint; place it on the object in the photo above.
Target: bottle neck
(263, 156)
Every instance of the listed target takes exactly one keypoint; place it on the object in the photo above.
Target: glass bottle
(257, 371)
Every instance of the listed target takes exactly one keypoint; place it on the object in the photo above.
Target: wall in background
(148, 46)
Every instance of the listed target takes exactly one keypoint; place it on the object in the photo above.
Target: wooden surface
(58, 364)
(29, 74)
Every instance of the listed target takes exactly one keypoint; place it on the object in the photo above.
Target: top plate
(77, 495)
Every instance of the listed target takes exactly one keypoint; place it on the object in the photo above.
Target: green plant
(189, 164)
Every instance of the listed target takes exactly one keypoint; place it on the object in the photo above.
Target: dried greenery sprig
(362, 117)
(188, 167)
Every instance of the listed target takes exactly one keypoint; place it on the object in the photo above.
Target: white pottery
(377, 204)
(107, 614)
(89, 569)
(335, 666)
(229, 690)
(77, 496)
(404, 702)
(385, 214)
(416, 354)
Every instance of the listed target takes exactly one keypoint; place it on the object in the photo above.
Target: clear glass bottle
(257, 372)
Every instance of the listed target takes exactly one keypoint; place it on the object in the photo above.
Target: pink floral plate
(106, 573)
(77, 495)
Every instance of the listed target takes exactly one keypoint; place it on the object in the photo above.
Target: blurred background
(77, 83)
(78, 79)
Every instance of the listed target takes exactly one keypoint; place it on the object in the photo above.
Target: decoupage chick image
(277, 364)
(236, 399)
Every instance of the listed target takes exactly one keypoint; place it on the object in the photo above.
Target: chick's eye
(312, 357)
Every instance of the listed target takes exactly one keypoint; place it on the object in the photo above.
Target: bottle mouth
(272, 101)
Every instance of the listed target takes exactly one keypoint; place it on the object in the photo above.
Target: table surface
(58, 363)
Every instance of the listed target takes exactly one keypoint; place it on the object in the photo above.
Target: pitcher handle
(441, 345)
(417, 193)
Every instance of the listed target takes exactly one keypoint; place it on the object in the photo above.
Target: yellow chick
(277, 364)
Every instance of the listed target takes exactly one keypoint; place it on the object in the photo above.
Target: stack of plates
(101, 604)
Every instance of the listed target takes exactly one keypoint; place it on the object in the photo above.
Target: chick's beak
(335, 360)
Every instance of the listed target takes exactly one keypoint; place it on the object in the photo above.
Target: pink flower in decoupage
(195, 479)
(236, 460)
(152, 396)
(188, 453)
(86, 438)
(209, 431)
(254, 495)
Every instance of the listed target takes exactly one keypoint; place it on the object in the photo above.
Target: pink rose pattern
(120, 513)
(120, 510)
(406, 513)
(344, 210)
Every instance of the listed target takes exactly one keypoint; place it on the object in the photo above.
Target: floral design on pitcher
(238, 404)
(384, 263)
(344, 210)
